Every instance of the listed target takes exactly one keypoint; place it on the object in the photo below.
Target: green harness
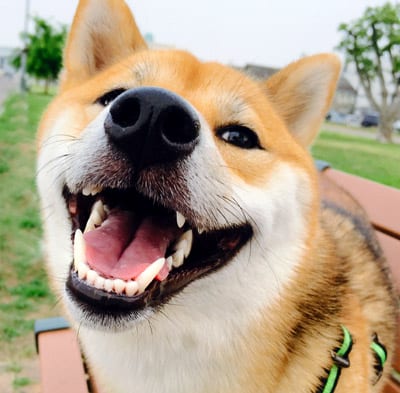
(341, 360)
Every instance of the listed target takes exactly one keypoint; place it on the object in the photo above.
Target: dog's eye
(240, 136)
(110, 96)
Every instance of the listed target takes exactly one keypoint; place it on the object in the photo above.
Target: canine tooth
(180, 220)
(91, 276)
(185, 243)
(119, 286)
(108, 285)
(169, 262)
(97, 216)
(100, 209)
(131, 288)
(177, 258)
(148, 275)
(79, 249)
(99, 282)
(83, 270)
(200, 230)
(87, 190)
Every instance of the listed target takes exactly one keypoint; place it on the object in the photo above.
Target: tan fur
(339, 274)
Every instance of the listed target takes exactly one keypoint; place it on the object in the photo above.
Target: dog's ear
(302, 93)
(103, 32)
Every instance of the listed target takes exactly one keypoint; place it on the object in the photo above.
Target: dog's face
(164, 179)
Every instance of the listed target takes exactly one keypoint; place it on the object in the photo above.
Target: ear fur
(103, 32)
(302, 93)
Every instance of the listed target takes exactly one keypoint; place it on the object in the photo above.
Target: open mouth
(131, 252)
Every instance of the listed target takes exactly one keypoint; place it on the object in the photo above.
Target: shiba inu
(185, 229)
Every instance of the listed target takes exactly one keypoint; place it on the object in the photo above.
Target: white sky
(265, 32)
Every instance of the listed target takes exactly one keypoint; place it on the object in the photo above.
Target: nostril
(126, 112)
(177, 126)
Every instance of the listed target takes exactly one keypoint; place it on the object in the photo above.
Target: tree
(372, 44)
(44, 51)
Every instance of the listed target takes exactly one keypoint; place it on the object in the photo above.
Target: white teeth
(97, 216)
(131, 288)
(91, 276)
(148, 275)
(200, 230)
(108, 285)
(185, 243)
(169, 261)
(83, 270)
(79, 249)
(180, 220)
(91, 190)
(177, 258)
(87, 190)
(119, 286)
(100, 209)
(99, 282)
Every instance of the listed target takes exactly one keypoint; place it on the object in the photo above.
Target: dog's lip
(99, 301)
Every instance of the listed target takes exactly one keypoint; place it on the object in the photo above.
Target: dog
(187, 232)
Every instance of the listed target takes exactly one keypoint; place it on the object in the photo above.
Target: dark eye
(240, 136)
(110, 96)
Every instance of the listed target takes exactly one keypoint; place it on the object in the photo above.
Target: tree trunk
(46, 86)
(385, 129)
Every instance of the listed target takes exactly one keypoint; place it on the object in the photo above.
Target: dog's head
(165, 178)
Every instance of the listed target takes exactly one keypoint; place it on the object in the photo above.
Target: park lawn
(24, 291)
(360, 156)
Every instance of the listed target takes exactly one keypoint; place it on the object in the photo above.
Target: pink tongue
(124, 247)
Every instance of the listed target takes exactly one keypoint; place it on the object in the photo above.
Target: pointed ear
(302, 93)
(103, 32)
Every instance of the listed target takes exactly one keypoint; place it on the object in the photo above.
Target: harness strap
(340, 360)
(380, 357)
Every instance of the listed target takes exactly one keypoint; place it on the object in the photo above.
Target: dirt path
(7, 84)
(367, 133)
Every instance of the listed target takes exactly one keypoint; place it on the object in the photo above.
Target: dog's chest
(169, 364)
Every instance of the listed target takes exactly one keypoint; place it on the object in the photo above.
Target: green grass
(360, 156)
(23, 284)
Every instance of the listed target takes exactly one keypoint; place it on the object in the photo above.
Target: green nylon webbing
(380, 352)
(334, 372)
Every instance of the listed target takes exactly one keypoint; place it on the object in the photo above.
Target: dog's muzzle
(136, 239)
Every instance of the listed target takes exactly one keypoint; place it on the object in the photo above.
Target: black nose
(152, 126)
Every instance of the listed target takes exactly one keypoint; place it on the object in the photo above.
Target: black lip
(210, 252)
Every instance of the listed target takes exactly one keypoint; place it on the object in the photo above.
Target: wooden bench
(61, 364)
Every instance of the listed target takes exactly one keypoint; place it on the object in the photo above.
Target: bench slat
(391, 249)
(382, 203)
(391, 387)
(61, 363)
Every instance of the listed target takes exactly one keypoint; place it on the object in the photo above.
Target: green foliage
(375, 35)
(44, 50)
(372, 44)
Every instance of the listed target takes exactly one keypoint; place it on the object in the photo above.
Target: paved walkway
(355, 131)
(7, 84)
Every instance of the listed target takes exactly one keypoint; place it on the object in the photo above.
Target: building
(343, 102)
(6, 54)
